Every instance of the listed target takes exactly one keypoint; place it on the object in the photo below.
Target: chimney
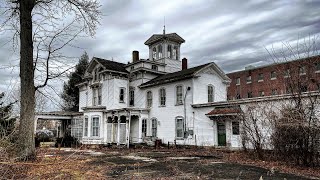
(135, 56)
(184, 63)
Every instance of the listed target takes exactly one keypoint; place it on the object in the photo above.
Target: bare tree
(296, 129)
(43, 28)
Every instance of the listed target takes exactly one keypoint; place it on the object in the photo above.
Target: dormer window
(160, 51)
(169, 51)
(154, 53)
(154, 67)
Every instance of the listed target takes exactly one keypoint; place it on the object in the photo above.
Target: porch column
(128, 122)
(112, 130)
(118, 138)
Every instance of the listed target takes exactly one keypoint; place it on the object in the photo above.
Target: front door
(221, 133)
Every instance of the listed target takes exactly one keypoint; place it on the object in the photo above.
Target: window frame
(154, 53)
(149, 99)
(93, 126)
(154, 127)
(210, 96)
(162, 99)
(317, 67)
(249, 79)
(160, 51)
(178, 118)
(121, 100)
(154, 67)
(238, 81)
(260, 77)
(178, 95)
(86, 126)
(169, 51)
(144, 127)
(273, 75)
(249, 94)
(131, 96)
(302, 70)
(235, 129)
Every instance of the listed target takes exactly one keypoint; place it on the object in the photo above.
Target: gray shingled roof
(172, 77)
(112, 65)
(157, 37)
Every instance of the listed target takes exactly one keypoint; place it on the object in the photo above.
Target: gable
(212, 68)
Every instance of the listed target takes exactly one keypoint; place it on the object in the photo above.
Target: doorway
(221, 133)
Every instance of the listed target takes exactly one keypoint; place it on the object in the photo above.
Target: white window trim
(165, 95)
(84, 126)
(147, 99)
(176, 119)
(124, 94)
(99, 121)
(176, 95)
(213, 89)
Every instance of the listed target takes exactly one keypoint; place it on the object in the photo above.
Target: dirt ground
(113, 163)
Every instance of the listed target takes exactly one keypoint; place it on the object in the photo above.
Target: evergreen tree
(7, 122)
(70, 94)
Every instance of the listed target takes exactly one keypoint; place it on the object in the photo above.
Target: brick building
(300, 75)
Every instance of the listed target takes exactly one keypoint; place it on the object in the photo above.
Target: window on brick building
(238, 96)
(274, 92)
(260, 77)
(303, 88)
(273, 75)
(238, 81)
(248, 79)
(261, 93)
(250, 95)
(302, 70)
(287, 73)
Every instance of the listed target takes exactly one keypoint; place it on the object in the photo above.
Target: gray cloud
(232, 33)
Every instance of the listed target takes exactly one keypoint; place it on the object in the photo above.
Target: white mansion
(154, 98)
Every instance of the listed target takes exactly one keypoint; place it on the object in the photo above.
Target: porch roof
(224, 111)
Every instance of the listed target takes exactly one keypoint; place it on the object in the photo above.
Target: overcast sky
(232, 33)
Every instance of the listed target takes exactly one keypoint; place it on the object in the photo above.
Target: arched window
(169, 51)
(149, 99)
(160, 51)
(162, 98)
(154, 127)
(179, 127)
(144, 127)
(179, 95)
(210, 93)
(154, 53)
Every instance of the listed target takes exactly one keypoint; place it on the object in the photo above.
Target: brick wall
(280, 82)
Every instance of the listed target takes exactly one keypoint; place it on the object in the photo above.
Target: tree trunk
(26, 129)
